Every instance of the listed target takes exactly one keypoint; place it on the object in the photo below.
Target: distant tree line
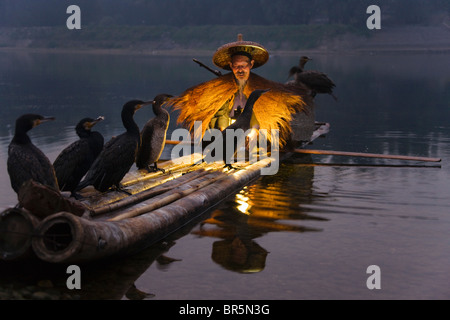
(179, 13)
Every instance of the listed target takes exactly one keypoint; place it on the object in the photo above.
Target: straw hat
(222, 56)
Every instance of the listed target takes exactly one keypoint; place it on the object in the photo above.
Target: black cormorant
(242, 122)
(317, 81)
(75, 160)
(154, 136)
(25, 160)
(118, 154)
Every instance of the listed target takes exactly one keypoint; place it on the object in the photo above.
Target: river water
(309, 232)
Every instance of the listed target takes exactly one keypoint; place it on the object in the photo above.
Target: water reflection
(270, 205)
(104, 280)
(109, 279)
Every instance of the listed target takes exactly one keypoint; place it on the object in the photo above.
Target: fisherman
(216, 102)
(241, 62)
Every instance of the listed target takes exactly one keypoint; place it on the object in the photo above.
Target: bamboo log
(169, 166)
(17, 228)
(174, 195)
(144, 195)
(98, 200)
(137, 182)
(366, 155)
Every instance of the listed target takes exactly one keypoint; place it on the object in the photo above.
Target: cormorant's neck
(302, 64)
(21, 137)
(83, 133)
(248, 110)
(157, 109)
(129, 124)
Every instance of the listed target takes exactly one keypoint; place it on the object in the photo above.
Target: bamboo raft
(115, 224)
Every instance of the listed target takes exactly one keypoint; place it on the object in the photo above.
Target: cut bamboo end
(60, 236)
(17, 227)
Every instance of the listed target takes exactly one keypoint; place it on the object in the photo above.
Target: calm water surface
(309, 232)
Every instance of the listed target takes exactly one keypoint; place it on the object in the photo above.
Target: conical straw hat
(222, 56)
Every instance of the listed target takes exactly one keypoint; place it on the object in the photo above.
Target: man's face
(241, 66)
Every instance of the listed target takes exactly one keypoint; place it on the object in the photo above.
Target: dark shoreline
(208, 53)
(332, 39)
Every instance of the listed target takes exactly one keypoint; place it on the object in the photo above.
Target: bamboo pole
(351, 154)
(147, 194)
(171, 166)
(136, 181)
(370, 165)
(174, 195)
(177, 142)
(366, 155)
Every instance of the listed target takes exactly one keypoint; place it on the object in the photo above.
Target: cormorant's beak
(89, 125)
(44, 119)
(140, 105)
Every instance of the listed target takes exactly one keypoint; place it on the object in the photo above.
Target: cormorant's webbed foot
(121, 189)
(201, 161)
(155, 169)
(230, 167)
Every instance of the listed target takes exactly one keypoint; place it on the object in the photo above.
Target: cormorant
(154, 136)
(25, 160)
(317, 81)
(242, 122)
(75, 160)
(118, 154)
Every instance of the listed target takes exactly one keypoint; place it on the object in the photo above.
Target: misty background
(206, 24)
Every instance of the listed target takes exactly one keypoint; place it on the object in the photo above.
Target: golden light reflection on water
(243, 201)
(263, 207)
